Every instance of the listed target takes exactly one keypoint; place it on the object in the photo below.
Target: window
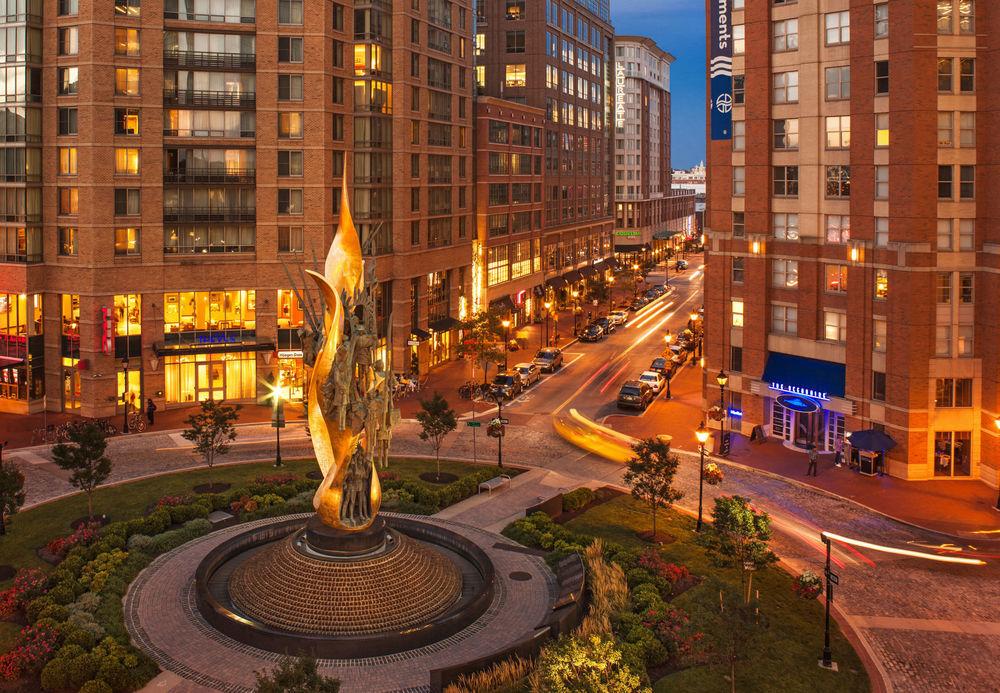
(965, 340)
(967, 182)
(516, 75)
(289, 87)
(289, 49)
(738, 270)
(952, 453)
(881, 77)
(878, 386)
(838, 28)
(739, 39)
(737, 309)
(942, 289)
(127, 240)
(128, 8)
(881, 284)
(784, 319)
(953, 392)
(785, 274)
(786, 87)
(786, 226)
(786, 35)
(289, 200)
(67, 241)
(945, 73)
(68, 8)
(965, 283)
(838, 228)
(881, 129)
(67, 161)
(69, 80)
(126, 121)
(126, 81)
(739, 225)
(966, 234)
(289, 163)
(881, 20)
(967, 129)
(838, 83)
(289, 11)
(126, 41)
(69, 200)
(739, 181)
(945, 129)
(67, 121)
(127, 201)
(69, 40)
(289, 126)
(786, 133)
(736, 359)
(838, 132)
(838, 181)
(881, 231)
(944, 234)
(836, 279)
(785, 181)
(126, 161)
(739, 92)
(881, 182)
(414, 199)
(945, 182)
(834, 326)
(739, 135)
(290, 239)
(515, 41)
(878, 334)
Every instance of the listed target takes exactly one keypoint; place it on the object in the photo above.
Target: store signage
(630, 234)
(412, 342)
(797, 403)
(289, 353)
(735, 412)
(223, 337)
(721, 70)
(107, 331)
(620, 94)
(796, 390)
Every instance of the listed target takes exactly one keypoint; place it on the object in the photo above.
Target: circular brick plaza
(163, 618)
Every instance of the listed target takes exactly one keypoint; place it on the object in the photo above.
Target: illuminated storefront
(198, 377)
(21, 351)
(127, 334)
(70, 350)
(291, 372)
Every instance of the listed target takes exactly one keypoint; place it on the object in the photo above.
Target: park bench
(495, 482)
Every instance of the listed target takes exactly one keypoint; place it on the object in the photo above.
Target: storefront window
(209, 310)
(21, 353)
(290, 314)
(128, 316)
(952, 453)
(199, 377)
(71, 315)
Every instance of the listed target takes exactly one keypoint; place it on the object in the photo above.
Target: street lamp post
(506, 341)
(668, 338)
(611, 290)
(278, 422)
(722, 379)
(701, 434)
(498, 397)
(827, 662)
(576, 311)
(996, 422)
(548, 312)
(698, 333)
(125, 395)
(635, 279)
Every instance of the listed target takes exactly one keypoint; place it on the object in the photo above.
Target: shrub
(593, 663)
(32, 649)
(140, 542)
(508, 676)
(298, 674)
(172, 501)
(96, 686)
(56, 612)
(95, 574)
(608, 590)
(652, 561)
(55, 674)
(83, 536)
(28, 584)
(577, 499)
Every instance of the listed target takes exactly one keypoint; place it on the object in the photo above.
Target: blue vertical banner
(721, 70)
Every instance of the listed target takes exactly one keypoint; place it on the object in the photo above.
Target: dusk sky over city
(677, 26)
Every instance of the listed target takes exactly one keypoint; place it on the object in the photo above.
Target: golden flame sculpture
(350, 398)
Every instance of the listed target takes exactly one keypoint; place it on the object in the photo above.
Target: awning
(421, 334)
(631, 247)
(613, 262)
(504, 304)
(556, 282)
(8, 362)
(572, 276)
(444, 324)
(665, 234)
(167, 350)
(589, 271)
(804, 376)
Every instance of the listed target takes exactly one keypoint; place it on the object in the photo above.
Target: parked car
(606, 324)
(592, 333)
(681, 265)
(529, 372)
(618, 317)
(634, 395)
(638, 303)
(651, 295)
(507, 384)
(654, 379)
(662, 289)
(662, 365)
(549, 359)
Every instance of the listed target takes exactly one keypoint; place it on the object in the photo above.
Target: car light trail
(902, 552)
(612, 379)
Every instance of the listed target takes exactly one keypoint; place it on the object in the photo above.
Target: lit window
(878, 334)
(881, 129)
(836, 279)
(516, 75)
(289, 125)
(126, 161)
(737, 307)
(834, 326)
(126, 81)
(67, 161)
(881, 284)
(127, 241)
(126, 41)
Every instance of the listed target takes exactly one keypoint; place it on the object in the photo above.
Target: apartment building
(650, 216)
(852, 279)
(556, 56)
(170, 168)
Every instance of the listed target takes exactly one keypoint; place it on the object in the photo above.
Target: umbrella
(872, 440)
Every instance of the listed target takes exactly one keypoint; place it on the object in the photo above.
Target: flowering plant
(808, 585)
(172, 501)
(84, 535)
(28, 584)
(712, 474)
(276, 479)
(674, 630)
(387, 475)
(671, 572)
(34, 647)
(244, 504)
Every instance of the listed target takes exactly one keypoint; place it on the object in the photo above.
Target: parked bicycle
(136, 422)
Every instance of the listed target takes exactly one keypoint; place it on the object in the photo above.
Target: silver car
(529, 372)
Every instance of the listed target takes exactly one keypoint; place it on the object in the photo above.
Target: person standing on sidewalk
(838, 453)
(813, 455)
(150, 410)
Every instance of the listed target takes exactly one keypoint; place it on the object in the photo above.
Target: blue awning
(805, 376)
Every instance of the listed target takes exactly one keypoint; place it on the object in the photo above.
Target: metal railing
(168, 132)
(243, 175)
(209, 214)
(179, 58)
(198, 97)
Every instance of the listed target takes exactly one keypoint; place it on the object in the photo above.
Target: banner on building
(721, 70)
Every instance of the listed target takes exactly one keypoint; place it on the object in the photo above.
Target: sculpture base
(330, 541)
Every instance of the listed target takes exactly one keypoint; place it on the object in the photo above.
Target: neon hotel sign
(804, 391)
(619, 95)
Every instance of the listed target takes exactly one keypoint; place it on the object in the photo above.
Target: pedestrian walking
(838, 453)
(150, 411)
(813, 456)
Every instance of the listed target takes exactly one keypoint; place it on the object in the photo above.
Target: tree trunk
(437, 459)
(746, 597)
(654, 524)
(90, 506)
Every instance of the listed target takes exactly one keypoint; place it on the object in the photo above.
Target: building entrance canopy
(804, 376)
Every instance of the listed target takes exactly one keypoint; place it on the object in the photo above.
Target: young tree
(84, 457)
(212, 430)
(436, 421)
(11, 493)
(590, 664)
(482, 342)
(650, 474)
(738, 538)
(743, 622)
(298, 675)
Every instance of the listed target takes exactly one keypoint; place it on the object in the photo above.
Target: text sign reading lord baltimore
(721, 71)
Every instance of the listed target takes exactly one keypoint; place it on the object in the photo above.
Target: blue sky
(677, 26)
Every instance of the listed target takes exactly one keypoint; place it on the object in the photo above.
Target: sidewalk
(957, 507)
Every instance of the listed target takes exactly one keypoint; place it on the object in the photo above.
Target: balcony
(197, 97)
(239, 175)
(209, 214)
(194, 132)
(444, 115)
(19, 258)
(232, 61)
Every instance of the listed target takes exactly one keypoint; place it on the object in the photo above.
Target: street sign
(505, 421)
(833, 578)
(474, 424)
(412, 342)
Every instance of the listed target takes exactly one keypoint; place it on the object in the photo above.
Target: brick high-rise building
(556, 56)
(852, 274)
(170, 167)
